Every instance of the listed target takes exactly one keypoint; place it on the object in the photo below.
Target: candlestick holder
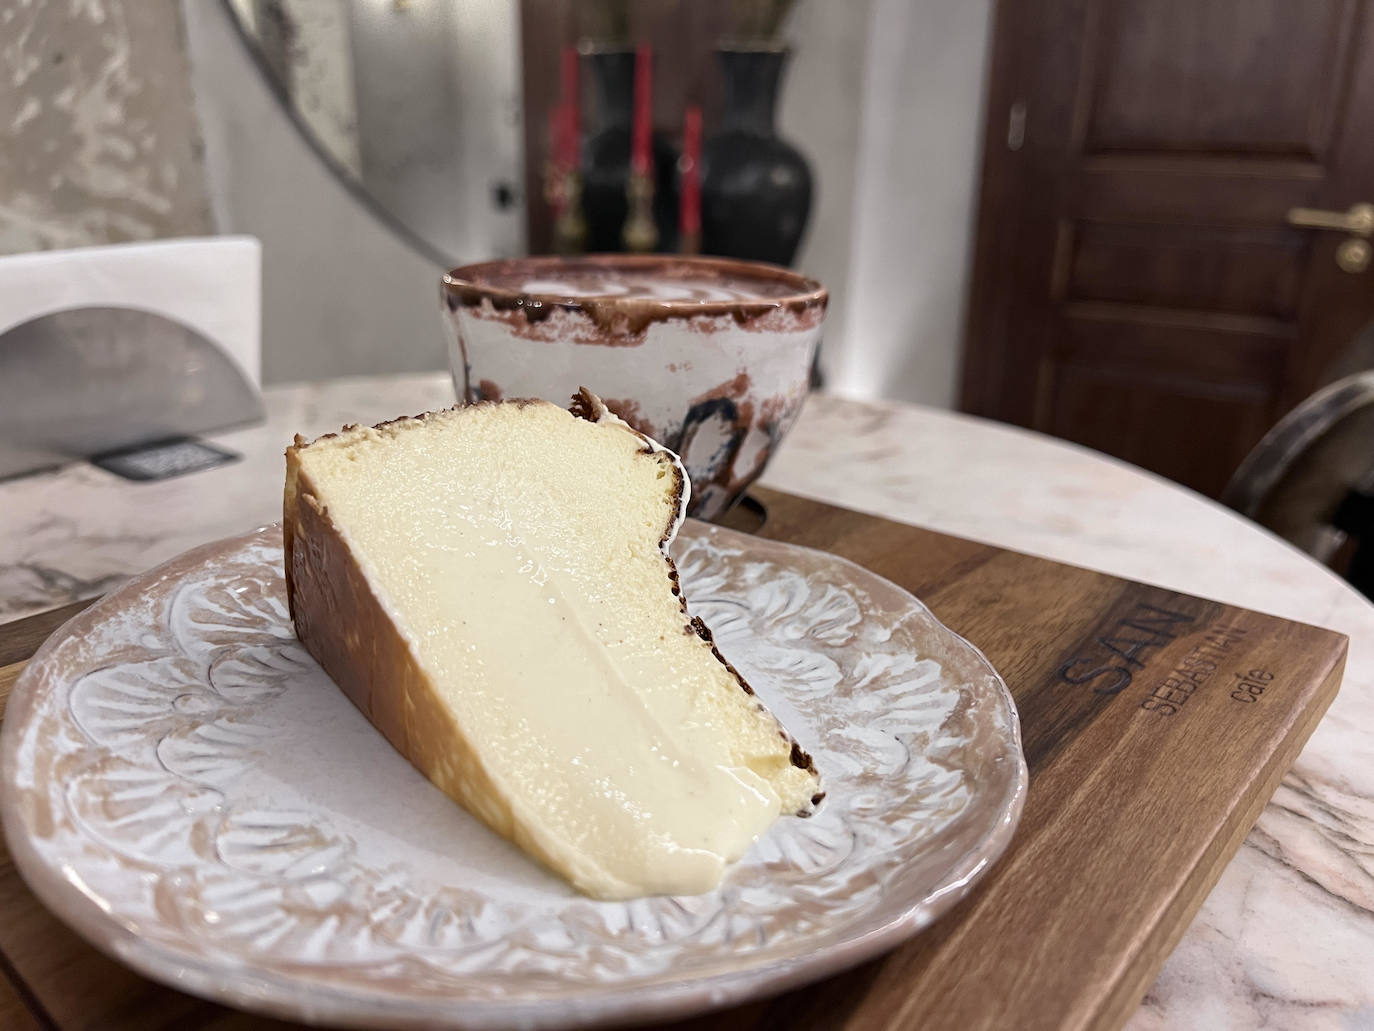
(606, 159)
(570, 223)
(640, 234)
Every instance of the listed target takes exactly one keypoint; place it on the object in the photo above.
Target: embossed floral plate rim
(985, 824)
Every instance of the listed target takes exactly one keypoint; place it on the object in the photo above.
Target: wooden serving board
(1156, 727)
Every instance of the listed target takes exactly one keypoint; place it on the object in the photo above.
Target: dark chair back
(1311, 479)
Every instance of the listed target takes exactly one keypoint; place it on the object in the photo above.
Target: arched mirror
(415, 104)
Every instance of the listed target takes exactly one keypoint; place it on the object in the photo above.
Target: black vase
(606, 161)
(755, 186)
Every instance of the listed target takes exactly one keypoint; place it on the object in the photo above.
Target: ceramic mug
(709, 356)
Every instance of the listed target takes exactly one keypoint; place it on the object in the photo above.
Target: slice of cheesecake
(490, 585)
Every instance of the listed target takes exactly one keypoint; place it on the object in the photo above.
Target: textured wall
(98, 139)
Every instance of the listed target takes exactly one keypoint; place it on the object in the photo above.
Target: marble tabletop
(1285, 940)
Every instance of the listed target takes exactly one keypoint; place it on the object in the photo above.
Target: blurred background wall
(915, 197)
(166, 126)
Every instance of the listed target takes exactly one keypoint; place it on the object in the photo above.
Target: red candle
(572, 131)
(553, 169)
(641, 149)
(689, 214)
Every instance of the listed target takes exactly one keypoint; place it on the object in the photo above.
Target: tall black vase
(755, 186)
(606, 160)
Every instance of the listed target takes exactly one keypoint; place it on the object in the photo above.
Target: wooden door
(1137, 287)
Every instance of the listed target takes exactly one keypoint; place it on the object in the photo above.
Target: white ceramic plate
(185, 787)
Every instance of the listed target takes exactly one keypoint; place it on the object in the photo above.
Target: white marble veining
(1286, 940)
(98, 139)
(80, 531)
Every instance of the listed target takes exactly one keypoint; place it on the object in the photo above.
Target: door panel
(1134, 266)
(1237, 360)
(1239, 193)
(1244, 272)
(1198, 75)
(1174, 397)
(1155, 423)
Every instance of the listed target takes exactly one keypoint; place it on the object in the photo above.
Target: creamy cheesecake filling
(530, 583)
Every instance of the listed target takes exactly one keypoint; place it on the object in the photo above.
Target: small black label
(163, 459)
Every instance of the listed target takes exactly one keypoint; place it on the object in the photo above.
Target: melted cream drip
(564, 659)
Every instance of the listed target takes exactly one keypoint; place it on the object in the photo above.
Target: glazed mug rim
(463, 285)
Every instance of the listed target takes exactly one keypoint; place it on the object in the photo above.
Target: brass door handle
(1353, 255)
(1358, 221)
